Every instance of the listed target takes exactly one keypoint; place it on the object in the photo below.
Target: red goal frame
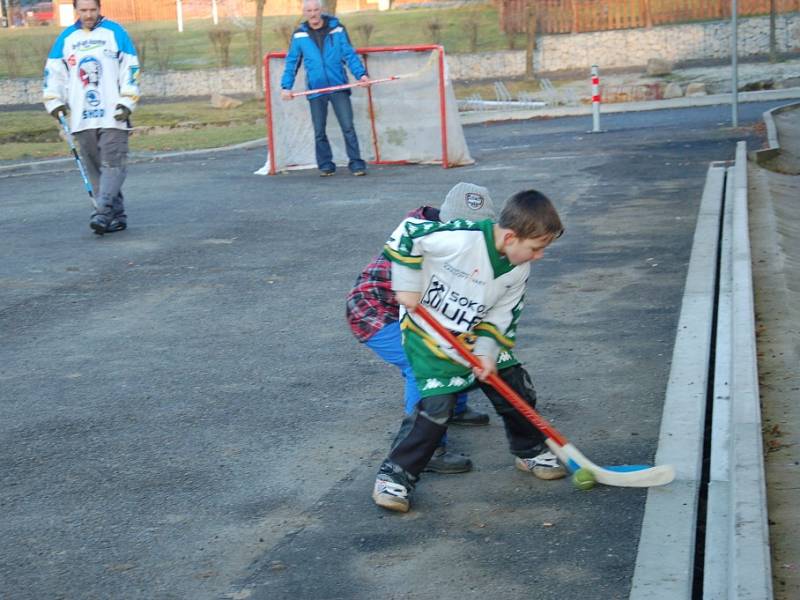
(364, 53)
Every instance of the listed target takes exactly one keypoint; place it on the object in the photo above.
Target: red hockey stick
(561, 447)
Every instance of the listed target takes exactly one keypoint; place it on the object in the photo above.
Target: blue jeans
(387, 344)
(344, 114)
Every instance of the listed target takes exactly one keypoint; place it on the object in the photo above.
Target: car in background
(40, 13)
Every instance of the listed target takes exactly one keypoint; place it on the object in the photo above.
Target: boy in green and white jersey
(471, 276)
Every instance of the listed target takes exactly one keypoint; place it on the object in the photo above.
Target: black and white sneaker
(543, 466)
(116, 225)
(99, 224)
(392, 487)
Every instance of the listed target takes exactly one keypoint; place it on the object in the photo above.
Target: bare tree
(259, 50)
(221, 39)
(365, 32)
(472, 26)
(435, 27)
(530, 38)
(773, 42)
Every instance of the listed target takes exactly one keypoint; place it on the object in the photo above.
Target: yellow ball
(583, 479)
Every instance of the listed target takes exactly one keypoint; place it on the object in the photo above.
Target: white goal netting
(411, 119)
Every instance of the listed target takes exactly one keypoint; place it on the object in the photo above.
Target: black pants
(421, 431)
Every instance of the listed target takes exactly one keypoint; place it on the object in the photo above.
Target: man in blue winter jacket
(322, 44)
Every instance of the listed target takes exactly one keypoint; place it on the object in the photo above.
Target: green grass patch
(171, 114)
(166, 126)
(181, 139)
(161, 47)
(196, 139)
(23, 151)
(179, 126)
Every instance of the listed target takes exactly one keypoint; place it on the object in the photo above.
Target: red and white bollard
(596, 99)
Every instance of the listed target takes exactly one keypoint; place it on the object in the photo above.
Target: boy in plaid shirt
(373, 314)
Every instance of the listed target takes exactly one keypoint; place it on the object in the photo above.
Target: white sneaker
(390, 494)
(543, 466)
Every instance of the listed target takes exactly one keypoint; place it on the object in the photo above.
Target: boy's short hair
(531, 214)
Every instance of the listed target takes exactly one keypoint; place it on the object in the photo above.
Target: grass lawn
(160, 127)
(23, 50)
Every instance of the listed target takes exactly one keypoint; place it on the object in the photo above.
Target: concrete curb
(715, 571)
(772, 129)
(736, 560)
(586, 110)
(750, 574)
(665, 560)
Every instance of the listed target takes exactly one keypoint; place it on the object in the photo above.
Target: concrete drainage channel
(706, 535)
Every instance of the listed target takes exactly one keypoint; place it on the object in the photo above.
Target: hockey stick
(86, 183)
(561, 447)
(346, 86)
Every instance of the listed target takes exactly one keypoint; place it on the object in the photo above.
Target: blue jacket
(323, 69)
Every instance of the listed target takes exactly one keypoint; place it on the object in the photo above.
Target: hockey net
(411, 119)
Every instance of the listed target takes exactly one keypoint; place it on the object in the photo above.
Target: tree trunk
(773, 43)
(330, 7)
(530, 30)
(259, 50)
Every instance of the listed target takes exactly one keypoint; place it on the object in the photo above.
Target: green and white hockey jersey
(467, 285)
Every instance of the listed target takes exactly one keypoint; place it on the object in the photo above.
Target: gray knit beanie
(467, 201)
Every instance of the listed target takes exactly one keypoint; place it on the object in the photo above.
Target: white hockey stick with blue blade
(558, 444)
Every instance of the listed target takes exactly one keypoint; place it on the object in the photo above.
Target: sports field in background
(23, 50)
(193, 124)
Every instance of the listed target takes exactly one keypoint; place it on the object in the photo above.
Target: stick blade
(647, 477)
(652, 477)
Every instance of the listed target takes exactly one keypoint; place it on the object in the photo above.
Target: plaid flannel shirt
(371, 304)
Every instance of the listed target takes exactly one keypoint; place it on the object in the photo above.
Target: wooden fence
(573, 16)
(129, 11)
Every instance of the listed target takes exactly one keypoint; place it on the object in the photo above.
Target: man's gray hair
(307, 2)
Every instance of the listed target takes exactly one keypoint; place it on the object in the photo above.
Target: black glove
(121, 113)
(58, 111)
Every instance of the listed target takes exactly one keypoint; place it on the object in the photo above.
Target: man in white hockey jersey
(92, 76)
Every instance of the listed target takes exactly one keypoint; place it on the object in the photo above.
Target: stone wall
(609, 49)
(633, 47)
(485, 65)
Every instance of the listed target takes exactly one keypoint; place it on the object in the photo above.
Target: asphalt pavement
(185, 414)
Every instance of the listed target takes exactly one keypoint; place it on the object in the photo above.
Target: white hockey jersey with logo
(465, 283)
(91, 72)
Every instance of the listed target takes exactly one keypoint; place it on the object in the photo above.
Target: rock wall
(633, 47)
(609, 49)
